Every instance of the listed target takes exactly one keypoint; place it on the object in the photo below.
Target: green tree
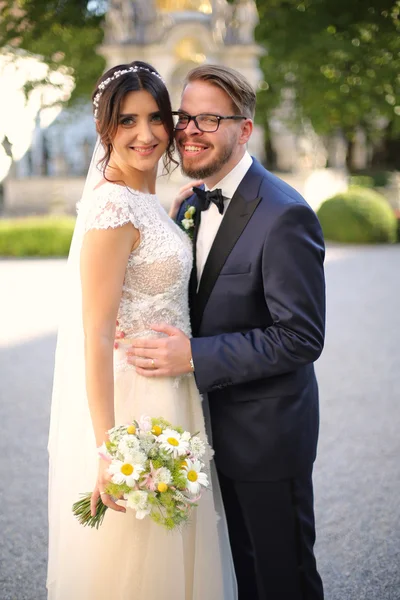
(63, 33)
(341, 59)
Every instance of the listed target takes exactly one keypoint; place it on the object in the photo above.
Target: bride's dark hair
(107, 105)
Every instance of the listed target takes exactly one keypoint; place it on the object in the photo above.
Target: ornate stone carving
(146, 11)
(121, 21)
(245, 19)
(221, 18)
(203, 6)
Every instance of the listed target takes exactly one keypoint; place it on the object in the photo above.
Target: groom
(257, 298)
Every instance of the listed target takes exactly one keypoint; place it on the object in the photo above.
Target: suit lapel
(193, 276)
(191, 201)
(238, 214)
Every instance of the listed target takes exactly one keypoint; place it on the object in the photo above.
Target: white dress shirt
(210, 219)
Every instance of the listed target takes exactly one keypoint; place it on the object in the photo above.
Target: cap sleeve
(110, 208)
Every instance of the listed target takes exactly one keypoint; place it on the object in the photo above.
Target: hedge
(36, 236)
(360, 215)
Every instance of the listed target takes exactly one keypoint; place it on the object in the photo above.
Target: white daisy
(138, 501)
(173, 442)
(194, 476)
(125, 472)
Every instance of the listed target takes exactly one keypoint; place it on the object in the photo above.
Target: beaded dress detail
(155, 289)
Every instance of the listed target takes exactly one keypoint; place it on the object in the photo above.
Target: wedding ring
(153, 364)
(103, 494)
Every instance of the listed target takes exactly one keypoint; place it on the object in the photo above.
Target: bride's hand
(103, 479)
(185, 192)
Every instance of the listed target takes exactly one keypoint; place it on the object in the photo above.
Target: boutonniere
(187, 222)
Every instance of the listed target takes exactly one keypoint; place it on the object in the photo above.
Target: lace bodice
(155, 288)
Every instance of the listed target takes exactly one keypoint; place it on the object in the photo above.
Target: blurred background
(327, 75)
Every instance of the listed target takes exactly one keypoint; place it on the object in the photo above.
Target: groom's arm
(183, 200)
(294, 291)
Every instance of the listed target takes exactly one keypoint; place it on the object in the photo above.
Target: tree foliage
(64, 33)
(341, 58)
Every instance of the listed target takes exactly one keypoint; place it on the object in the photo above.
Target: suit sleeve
(181, 213)
(294, 291)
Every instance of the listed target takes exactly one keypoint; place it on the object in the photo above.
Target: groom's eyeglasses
(206, 122)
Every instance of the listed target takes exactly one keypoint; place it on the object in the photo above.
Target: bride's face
(141, 137)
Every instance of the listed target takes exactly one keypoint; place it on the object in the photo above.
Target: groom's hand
(161, 357)
(184, 193)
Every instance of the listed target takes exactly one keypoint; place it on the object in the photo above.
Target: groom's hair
(232, 82)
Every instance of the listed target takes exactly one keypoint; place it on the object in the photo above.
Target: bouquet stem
(81, 510)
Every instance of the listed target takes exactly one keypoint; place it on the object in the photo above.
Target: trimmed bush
(366, 177)
(362, 181)
(36, 236)
(359, 216)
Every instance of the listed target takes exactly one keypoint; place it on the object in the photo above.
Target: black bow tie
(205, 198)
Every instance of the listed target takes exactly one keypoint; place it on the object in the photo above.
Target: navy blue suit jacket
(258, 322)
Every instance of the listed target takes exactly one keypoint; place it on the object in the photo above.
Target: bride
(129, 263)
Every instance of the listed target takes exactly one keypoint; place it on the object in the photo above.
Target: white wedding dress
(127, 558)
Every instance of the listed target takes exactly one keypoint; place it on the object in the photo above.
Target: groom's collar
(232, 180)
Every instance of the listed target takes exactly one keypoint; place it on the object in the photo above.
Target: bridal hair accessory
(104, 84)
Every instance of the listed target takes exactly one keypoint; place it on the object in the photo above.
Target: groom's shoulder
(273, 189)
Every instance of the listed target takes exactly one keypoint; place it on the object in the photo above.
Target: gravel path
(357, 474)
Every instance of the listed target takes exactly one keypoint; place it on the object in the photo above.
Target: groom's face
(204, 155)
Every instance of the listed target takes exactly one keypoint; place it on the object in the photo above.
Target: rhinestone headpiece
(104, 84)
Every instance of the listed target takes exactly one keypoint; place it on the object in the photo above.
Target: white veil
(70, 418)
(69, 350)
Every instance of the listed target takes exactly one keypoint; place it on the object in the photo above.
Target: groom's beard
(217, 161)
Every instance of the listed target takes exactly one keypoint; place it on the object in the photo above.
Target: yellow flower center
(183, 464)
(162, 487)
(192, 476)
(131, 429)
(156, 430)
(127, 469)
(173, 441)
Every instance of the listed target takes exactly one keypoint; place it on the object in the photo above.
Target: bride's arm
(104, 258)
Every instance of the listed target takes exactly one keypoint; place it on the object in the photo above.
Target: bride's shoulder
(107, 190)
(114, 193)
(111, 204)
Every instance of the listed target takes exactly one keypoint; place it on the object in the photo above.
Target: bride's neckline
(127, 187)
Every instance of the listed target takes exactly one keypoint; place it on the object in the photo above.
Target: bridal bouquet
(155, 467)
